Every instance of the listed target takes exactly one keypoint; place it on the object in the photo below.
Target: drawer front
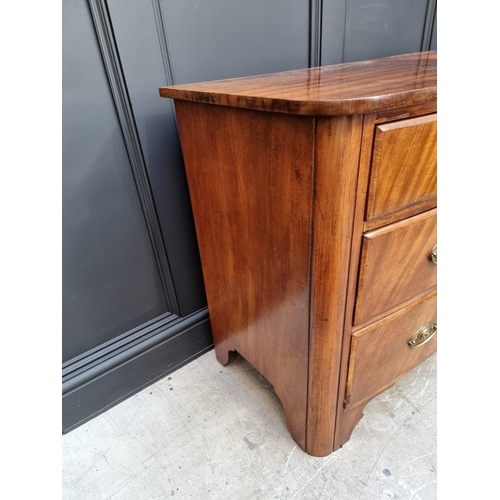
(396, 265)
(380, 353)
(403, 170)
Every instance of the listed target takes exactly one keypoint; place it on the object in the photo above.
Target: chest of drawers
(314, 198)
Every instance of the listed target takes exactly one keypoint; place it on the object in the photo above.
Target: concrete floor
(213, 432)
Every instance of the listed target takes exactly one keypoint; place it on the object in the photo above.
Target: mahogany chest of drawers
(314, 198)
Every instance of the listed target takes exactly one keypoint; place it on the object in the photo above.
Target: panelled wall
(134, 305)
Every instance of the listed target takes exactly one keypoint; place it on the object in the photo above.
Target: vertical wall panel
(110, 277)
(332, 46)
(140, 38)
(214, 39)
(434, 34)
(383, 28)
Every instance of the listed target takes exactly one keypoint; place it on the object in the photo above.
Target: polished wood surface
(345, 423)
(380, 353)
(350, 88)
(403, 172)
(250, 180)
(403, 213)
(391, 114)
(337, 156)
(395, 265)
(299, 280)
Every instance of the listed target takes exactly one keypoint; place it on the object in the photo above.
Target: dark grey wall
(433, 44)
(383, 28)
(225, 39)
(353, 30)
(134, 306)
(110, 279)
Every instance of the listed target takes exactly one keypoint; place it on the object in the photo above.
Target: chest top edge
(348, 88)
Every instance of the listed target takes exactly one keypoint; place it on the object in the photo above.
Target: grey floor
(213, 432)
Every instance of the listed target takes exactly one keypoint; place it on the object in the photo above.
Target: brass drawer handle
(434, 254)
(423, 335)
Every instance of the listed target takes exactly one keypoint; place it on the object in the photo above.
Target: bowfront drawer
(390, 348)
(403, 170)
(397, 264)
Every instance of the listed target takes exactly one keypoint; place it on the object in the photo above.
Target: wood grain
(250, 180)
(404, 166)
(395, 265)
(348, 421)
(380, 353)
(350, 88)
(402, 213)
(338, 142)
(345, 423)
(390, 114)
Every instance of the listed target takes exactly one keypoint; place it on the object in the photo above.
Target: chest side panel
(250, 181)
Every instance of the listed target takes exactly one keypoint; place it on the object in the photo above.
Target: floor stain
(251, 445)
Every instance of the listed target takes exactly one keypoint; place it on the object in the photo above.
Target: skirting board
(103, 385)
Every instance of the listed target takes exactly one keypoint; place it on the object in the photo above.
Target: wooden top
(340, 89)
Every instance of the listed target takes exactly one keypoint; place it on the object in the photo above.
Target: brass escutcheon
(434, 254)
(423, 335)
